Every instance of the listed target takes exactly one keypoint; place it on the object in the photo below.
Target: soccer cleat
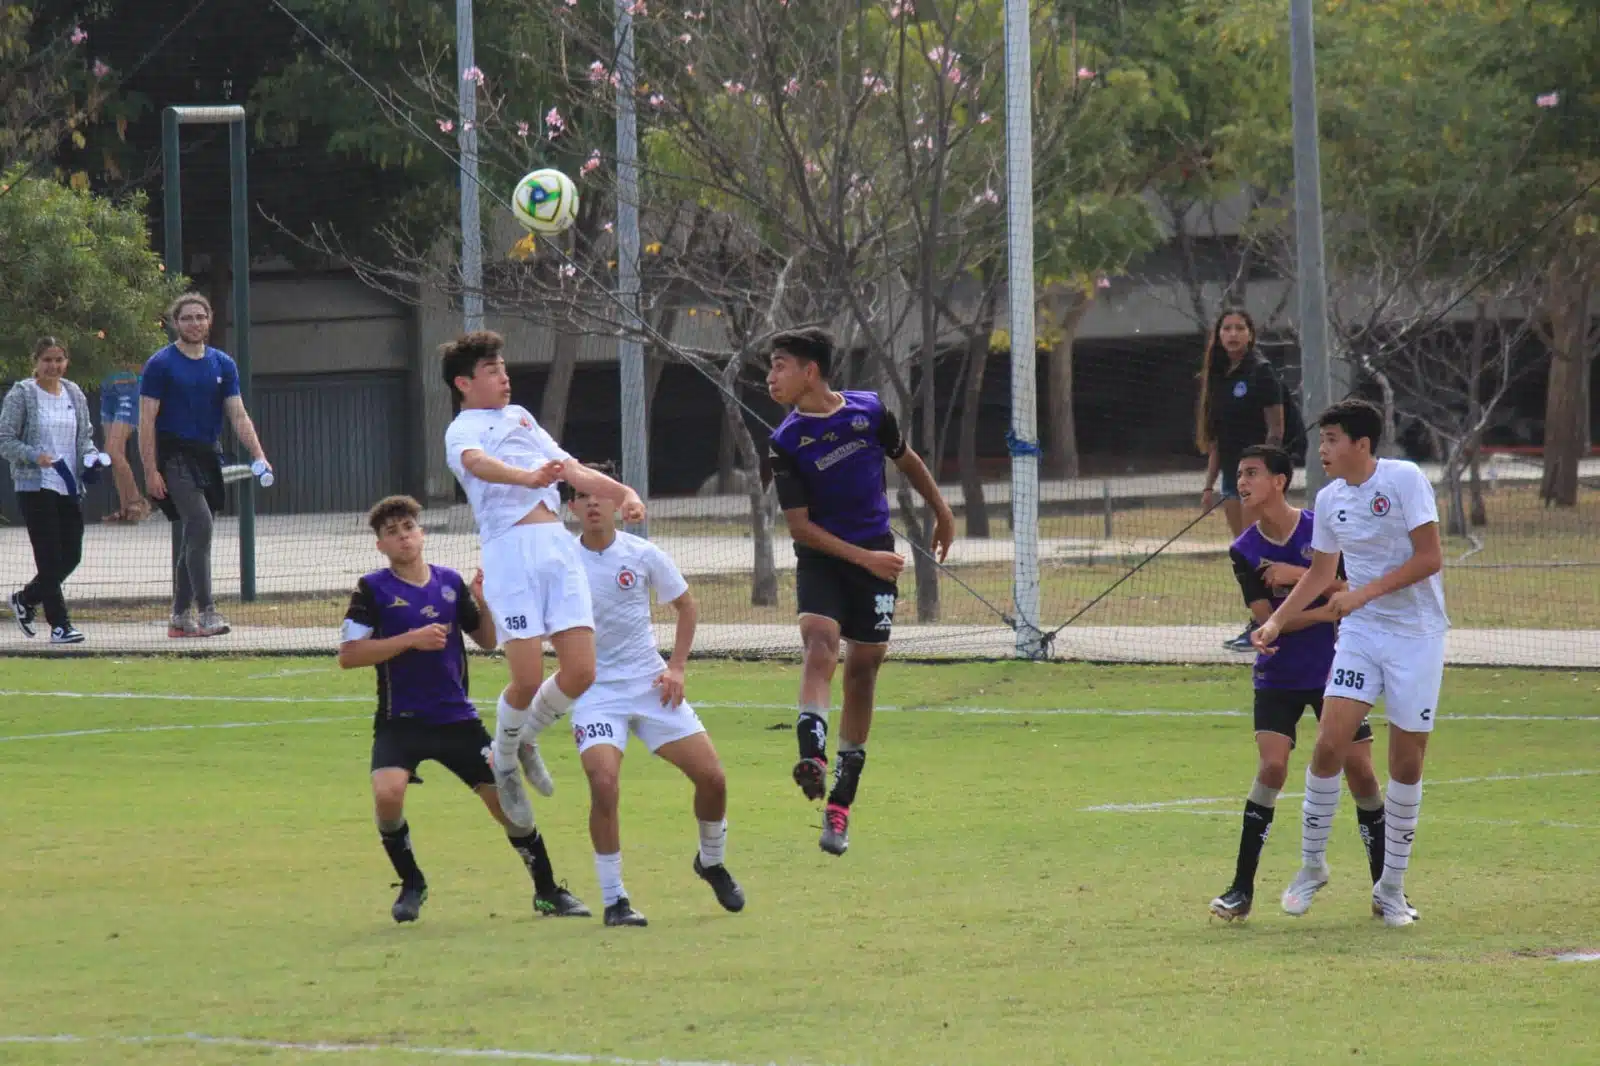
(559, 904)
(622, 913)
(183, 625)
(812, 775)
(729, 894)
(413, 894)
(211, 624)
(835, 839)
(1303, 889)
(23, 613)
(1233, 905)
(513, 797)
(1394, 912)
(67, 634)
(533, 768)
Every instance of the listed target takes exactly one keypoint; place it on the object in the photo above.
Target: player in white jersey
(532, 579)
(1382, 516)
(636, 692)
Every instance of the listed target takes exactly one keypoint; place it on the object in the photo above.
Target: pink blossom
(812, 168)
(685, 38)
(467, 125)
(554, 123)
(446, 126)
(1102, 283)
(78, 35)
(568, 270)
(734, 87)
(656, 100)
(608, 227)
(695, 16)
(791, 86)
(871, 81)
(472, 74)
(1084, 73)
(597, 71)
(954, 75)
(984, 119)
(938, 55)
(638, 8)
(522, 129)
(100, 69)
(987, 196)
(901, 7)
(572, 3)
(591, 164)
(688, 68)
(1548, 100)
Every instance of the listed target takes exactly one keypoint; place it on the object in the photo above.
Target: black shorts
(861, 603)
(460, 747)
(1278, 710)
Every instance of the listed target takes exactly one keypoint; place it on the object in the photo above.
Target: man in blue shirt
(827, 460)
(185, 390)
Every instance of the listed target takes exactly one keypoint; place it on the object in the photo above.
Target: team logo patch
(1380, 505)
(807, 440)
(449, 594)
(577, 735)
(626, 578)
(1239, 389)
(859, 423)
(430, 611)
(525, 422)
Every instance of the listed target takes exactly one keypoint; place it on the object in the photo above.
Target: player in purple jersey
(407, 621)
(1268, 558)
(827, 460)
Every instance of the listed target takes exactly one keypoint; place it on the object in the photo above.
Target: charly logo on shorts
(449, 594)
(1380, 505)
(1240, 388)
(626, 578)
(859, 423)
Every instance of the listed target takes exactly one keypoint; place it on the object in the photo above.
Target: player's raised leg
(697, 758)
(861, 664)
(819, 640)
(388, 800)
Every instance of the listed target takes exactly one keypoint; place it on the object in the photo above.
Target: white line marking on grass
(329, 1048)
(1579, 956)
(1432, 818)
(290, 672)
(182, 728)
(1140, 808)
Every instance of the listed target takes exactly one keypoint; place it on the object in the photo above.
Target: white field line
(1432, 818)
(1142, 808)
(182, 728)
(328, 1048)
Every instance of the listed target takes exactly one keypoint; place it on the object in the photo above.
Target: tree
(47, 93)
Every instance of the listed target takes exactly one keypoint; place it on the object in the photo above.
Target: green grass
(229, 882)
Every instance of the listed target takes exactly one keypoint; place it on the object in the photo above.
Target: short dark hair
(1357, 418)
(1275, 459)
(813, 344)
(44, 344)
(391, 508)
(462, 355)
(604, 466)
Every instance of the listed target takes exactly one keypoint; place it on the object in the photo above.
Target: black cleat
(812, 775)
(622, 913)
(413, 894)
(559, 904)
(1233, 905)
(835, 839)
(23, 614)
(729, 894)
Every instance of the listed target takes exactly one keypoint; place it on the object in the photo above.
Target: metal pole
(172, 251)
(1019, 286)
(467, 138)
(630, 350)
(240, 209)
(1316, 374)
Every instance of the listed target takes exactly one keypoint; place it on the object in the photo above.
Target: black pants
(55, 528)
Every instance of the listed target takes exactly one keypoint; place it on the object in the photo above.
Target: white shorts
(534, 582)
(610, 710)
(1406, 672)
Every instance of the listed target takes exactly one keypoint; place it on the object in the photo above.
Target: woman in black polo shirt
(1241, 403)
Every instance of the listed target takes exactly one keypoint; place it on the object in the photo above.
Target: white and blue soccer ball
(545, 201)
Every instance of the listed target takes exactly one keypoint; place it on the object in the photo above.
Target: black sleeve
(363, 609)
(786, 475)
(468, 617)
(1340, 571)
(1249, 578)
(889, 435)
(1267, 387)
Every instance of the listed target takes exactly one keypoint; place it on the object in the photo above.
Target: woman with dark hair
(45, 433)
(1241, 403)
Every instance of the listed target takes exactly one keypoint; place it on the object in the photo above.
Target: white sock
(713, 842)
(1401, 805)
(608, 869)
(549, 704)
(1318, 808)
(510, 724)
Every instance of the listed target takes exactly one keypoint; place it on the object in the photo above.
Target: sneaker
(729, 894)
(183, 625)
(622, 913)
(409, 903)
(212, 624)
(24, 614)
(559, 904)
(1242, 641)
(513, 798)
(67, 634)
(835, 837)
(533, 768)
(1394, 912)
(1303, 889)
(812, 776)
(1233, 905)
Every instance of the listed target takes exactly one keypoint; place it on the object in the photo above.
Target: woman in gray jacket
(45, 433)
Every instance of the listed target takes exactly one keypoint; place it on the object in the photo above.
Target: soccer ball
(545, 201)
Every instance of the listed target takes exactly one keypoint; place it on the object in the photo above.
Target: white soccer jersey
(620, 580)
(1371, 525)
(510, 435)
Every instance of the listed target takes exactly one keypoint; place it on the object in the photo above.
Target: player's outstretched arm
(592, 482)
(944, 522)
(485, 467)
(354, 654)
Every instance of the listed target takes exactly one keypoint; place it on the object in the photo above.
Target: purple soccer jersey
(1305, 656)
(832, 465)
(422, 686)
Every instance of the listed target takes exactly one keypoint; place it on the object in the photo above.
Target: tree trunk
(967, 447)
(558, 385)
(764, 571)
(1566, 410)
(1066, 308)
(726, 453)
(1480, 510)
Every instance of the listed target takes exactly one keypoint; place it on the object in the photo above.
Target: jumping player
(407, 621)
(533, 580)
(1382, 516)
(1268, 558)
(636, 692)
(827, 460)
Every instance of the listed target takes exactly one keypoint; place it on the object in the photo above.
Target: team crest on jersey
(1380, 505)
(1239, 389)
(429, 611)
(859, 423)
(626, 579)
(449, 594)
(525, 422)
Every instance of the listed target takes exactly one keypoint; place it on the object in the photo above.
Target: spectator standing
(119, 417)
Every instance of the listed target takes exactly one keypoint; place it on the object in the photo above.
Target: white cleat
(1395, 910)
(1304, 888)
(533, 768)
(513, 798)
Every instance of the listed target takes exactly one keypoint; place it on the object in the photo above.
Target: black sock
(846, 776)
(812, 732)
(1372, 838)
(1252, 838)
(531, 850)
(397, 843)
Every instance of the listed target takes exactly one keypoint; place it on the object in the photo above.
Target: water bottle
(263, 473)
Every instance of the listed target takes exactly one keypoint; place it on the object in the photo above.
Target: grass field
(208, 865)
